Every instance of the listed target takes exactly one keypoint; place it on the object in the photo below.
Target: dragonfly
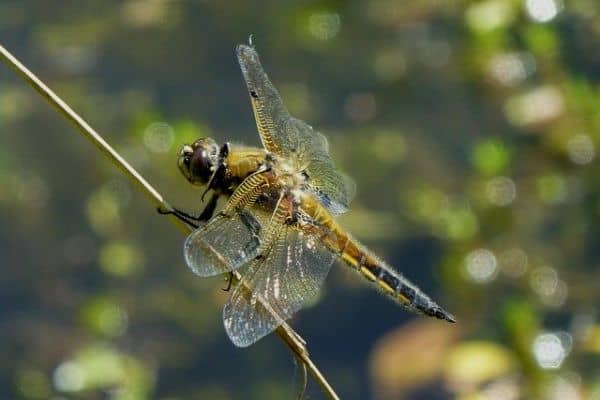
(279, 219)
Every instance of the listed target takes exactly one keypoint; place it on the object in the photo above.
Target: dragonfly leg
(192, 220)
(209, 210)
(186, 218)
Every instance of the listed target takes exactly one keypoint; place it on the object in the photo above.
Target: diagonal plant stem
(290, 337)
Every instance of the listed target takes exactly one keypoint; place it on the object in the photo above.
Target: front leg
(191, 220)
(209, 210)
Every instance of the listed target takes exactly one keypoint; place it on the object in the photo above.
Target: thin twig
(294, 341)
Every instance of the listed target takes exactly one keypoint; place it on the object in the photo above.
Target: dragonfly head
(198, 161)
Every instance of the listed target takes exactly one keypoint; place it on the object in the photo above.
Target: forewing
(277, 285)
(224, 243)
(280, 133)
(271, 115)
(293, 138)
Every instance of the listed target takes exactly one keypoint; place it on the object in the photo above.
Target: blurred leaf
(491, 157)
(472, 363)
(121, 259)
(105, 316)
(399, 362)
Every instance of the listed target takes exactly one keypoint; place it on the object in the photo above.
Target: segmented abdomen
(386, 278)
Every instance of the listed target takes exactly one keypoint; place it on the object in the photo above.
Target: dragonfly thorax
(288, 175)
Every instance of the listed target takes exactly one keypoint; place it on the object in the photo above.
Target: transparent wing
(292, 138)
(277, 285)
(273, 120)
(334, 189)
(224, 243)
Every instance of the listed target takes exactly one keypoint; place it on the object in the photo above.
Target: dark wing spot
(253, 94)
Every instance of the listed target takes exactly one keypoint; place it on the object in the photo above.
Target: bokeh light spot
(158, 137)
(546, 284)
(69, 377)
(550, 349)
(105, 316)
(500, 191)
(544, 280)
(121, 259)
(459, 222)
(477, 361)
(428, 204)
(581, 149)
(535, 107)
(481, 266)
(567, 388)
(510, 69)
(542, 10)
(102, 367)
(487, 15)
(103, 211)
(15, 103)
(324, 25)
(150, 13)
(501, 389)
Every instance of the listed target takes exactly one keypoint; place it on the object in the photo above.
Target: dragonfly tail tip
(450, 318)
(440, 313)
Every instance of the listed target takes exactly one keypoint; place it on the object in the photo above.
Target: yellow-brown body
(242, 162)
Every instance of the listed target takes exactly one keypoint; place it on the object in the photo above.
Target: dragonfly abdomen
(382, 275)
(391, 282)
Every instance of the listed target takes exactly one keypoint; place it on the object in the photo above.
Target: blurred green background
(470, 127)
